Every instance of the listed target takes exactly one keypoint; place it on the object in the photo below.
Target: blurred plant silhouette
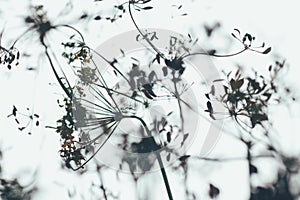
(11, 189)
(96, 105)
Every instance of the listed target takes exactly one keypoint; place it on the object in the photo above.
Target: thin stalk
(101, 56)
(106, 139)
(161, 165)
(22, 35)
(178, 101)
(68, 93)
(144, 36)
(249, 161)
(120, 93)
(106, 109)
(110, 95)
(71, 27)
(102, 98)
(214, 55)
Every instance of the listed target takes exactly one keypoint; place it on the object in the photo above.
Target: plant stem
(161, 165)
(100, 147)
(214, 55)
(68, 93)
(144, 36)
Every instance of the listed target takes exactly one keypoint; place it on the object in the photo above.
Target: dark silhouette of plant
(94, 108)
(8, 57)
(31, 118)
(11, 189)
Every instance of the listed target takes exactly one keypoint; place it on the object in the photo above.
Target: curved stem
(106, 139)
(230, 159)
(20, 36)
(214, 55)
(2, 48)
(178, 101)
(101, 56)
(144, 36)
(120, 93)
(161, 165)
(71, 27)
(108, 92)
(68, 93)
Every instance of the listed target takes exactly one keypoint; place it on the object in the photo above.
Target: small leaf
(83, 16)
(21, 128)
(14, 112)
(213, 117)
(218, 80)
(115, 72)
(29, 20)
(134, 94)
(185, 136)
(234, 35)
(228, 74)
(148, 88)
(169, 137)
(249, 37)
(158, 58)
(211, 52)
(267, 50)
(147, 94)
(165, 71)
(268, 95)
(270, 68)
(225, 89)
(120, 7)
(147, 8)
(207, 96)
(170, 113)
(183, 158)
(175, 64)
(237, 30)
(237, 73)
(232, 84)
(168, 156)
(257, 119)
(253, 169)
(239, 83)
(213, 90)
(209, 107)
(244, 39)
(123, 53)
(213, 191)
(97, 18)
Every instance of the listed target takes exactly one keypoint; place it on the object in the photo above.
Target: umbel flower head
(133, 101)
(247, 99)
(85, 125)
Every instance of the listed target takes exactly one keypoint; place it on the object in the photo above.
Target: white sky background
(273, 22)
